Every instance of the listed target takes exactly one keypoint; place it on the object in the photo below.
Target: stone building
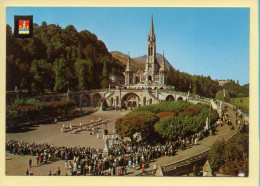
(116, 78)
(223, 82)
(154, 74)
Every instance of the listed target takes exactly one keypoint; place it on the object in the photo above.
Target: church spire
(128, 68)
(163, 63)
(151, 33)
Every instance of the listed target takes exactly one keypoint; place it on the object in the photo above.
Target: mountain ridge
(138, 62)
(142, 60)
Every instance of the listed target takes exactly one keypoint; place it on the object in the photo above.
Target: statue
(207, 124)
(106, 149)
(106, 144)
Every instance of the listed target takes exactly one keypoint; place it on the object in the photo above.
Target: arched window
(144, 101)
(169, 98)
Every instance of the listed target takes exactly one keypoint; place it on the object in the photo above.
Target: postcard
(132, 92)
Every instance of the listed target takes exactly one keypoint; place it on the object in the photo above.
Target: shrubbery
(162, 115)
(168, 119)
(230, 157)
(137, 122)
(32, 101)
(164, 107)
(31, 109)
(189, 111)
(23, 102)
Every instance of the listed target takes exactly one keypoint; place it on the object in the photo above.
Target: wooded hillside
(56, 59)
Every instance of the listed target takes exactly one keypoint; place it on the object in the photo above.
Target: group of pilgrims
(92, 127)
(122, 156)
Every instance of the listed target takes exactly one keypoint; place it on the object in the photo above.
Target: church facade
(154, 74)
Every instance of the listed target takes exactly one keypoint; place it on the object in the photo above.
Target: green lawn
(241, 103)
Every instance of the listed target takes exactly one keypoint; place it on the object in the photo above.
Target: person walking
(58, 171)
(27, 172)
(66, 164)
(30, 163)
(37, 159)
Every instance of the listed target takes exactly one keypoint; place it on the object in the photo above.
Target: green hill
(123, 58)
(56, 59)
(241, 103)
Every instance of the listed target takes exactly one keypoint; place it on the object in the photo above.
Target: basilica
(154, 75)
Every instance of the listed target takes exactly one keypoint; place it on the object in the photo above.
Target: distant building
(222, 82)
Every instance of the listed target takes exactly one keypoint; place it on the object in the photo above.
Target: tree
(235, 90)
(170, 76)
(44, 24)
(90, 77)
(137, 122)
(105, 81)
(79, 51)
(215, 155)
(230, 157)
(42, 75)
(176, 80)
(162, 115)
(194, 85)
(169, 127)
(220, 96)
(60, 69)
(82, 69)
(13, 72)
(190, 119)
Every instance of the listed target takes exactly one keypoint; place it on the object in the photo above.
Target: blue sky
(201, 41)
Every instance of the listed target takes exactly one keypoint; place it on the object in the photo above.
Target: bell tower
(162, 72)
(151, 62)
(128, 72)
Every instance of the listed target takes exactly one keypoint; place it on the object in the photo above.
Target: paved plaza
(51, 134)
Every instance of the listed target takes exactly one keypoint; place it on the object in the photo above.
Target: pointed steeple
(151, 33)
(128, 67)
(163, 63)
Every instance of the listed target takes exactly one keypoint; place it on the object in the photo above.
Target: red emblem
(24, 27)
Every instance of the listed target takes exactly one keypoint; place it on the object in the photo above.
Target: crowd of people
(122, 157)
